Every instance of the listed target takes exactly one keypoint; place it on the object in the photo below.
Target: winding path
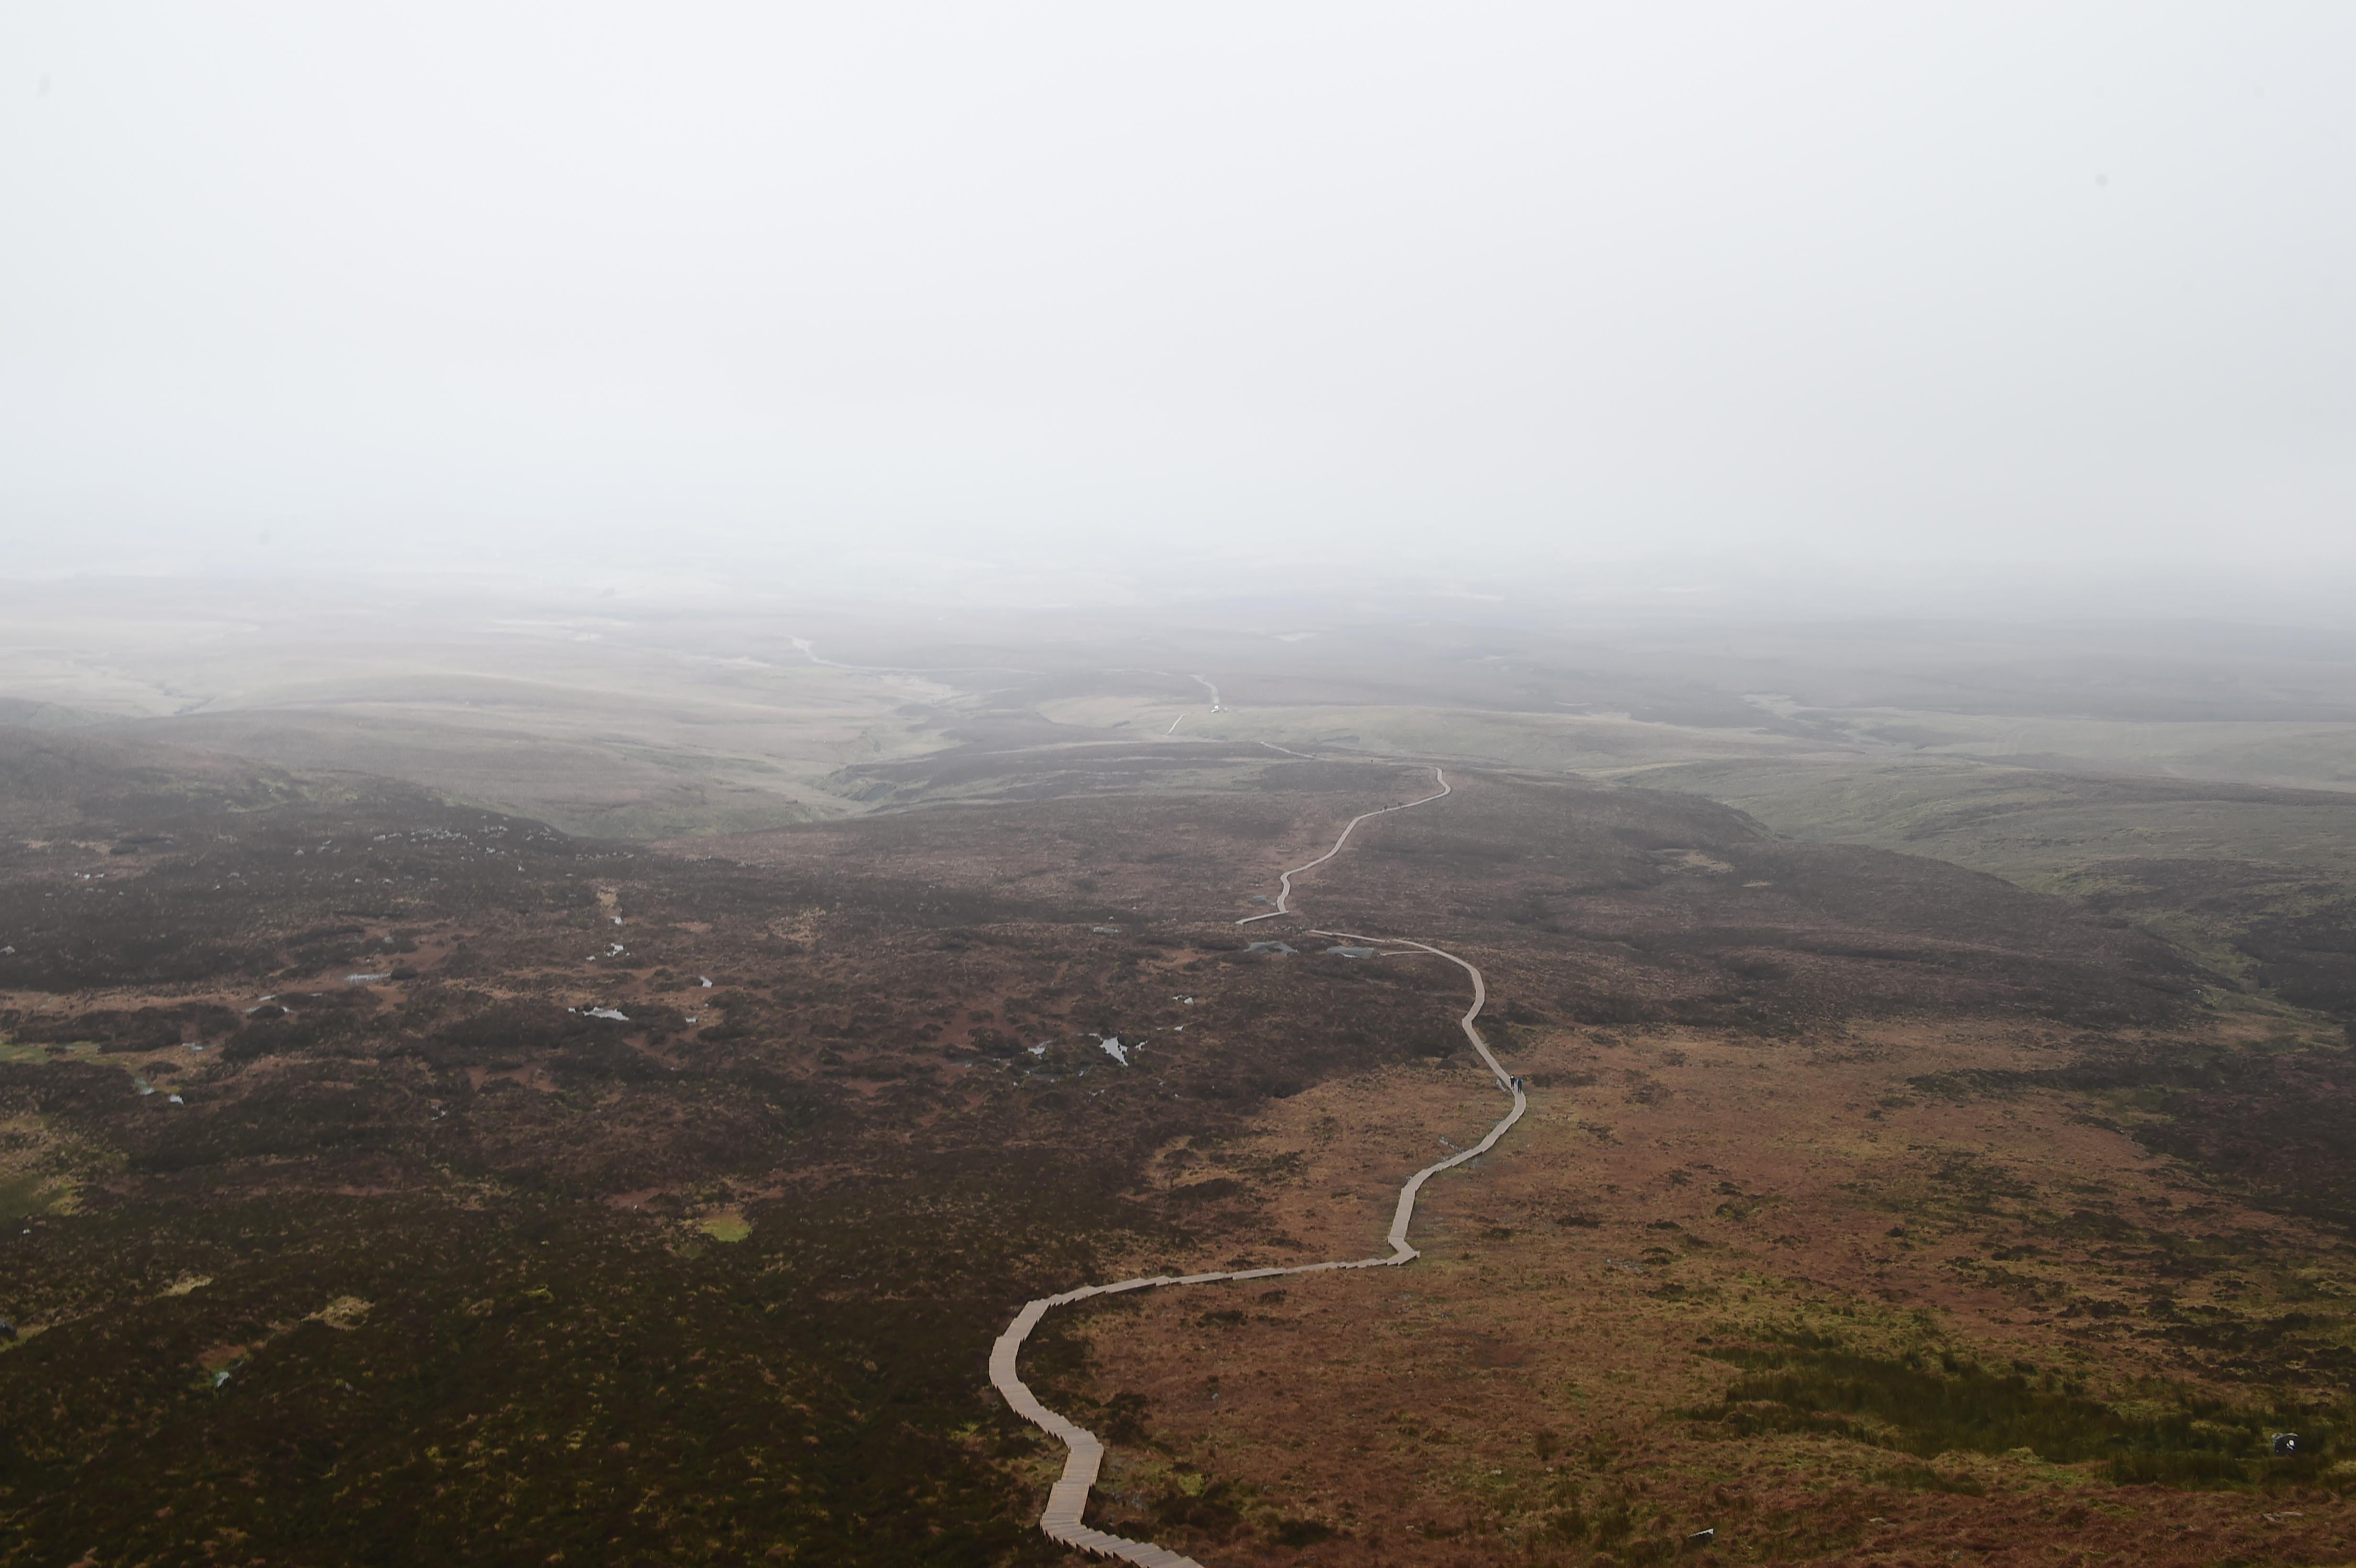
(1284, 888)
(1069, 1499)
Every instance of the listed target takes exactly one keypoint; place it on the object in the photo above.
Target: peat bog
(387, 1178)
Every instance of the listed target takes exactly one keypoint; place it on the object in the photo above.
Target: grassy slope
(2308, 755)
(2039, 828)
(1573, 742)
(2221, 871)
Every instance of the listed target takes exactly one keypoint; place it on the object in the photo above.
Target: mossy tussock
(1932, 1402)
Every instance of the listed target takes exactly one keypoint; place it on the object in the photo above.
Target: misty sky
(694, 285)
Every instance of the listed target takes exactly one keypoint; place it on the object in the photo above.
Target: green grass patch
(25, 1195)
(1932, 1402)
(727, 1225)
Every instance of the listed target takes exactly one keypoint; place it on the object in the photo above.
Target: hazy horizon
(1820, 304)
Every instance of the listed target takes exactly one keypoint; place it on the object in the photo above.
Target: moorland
(523, 1083)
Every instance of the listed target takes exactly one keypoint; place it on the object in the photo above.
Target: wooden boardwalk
(1067, 1500)
(1285, 884)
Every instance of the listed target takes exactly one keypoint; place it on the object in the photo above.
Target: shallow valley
(1928, 1155)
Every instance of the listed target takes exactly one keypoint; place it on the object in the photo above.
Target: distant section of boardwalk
(1067, 1500)
(1284, 882)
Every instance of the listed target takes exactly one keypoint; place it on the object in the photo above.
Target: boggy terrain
(389, 1179)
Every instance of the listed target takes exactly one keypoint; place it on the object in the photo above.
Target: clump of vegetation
(1932, 1402)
